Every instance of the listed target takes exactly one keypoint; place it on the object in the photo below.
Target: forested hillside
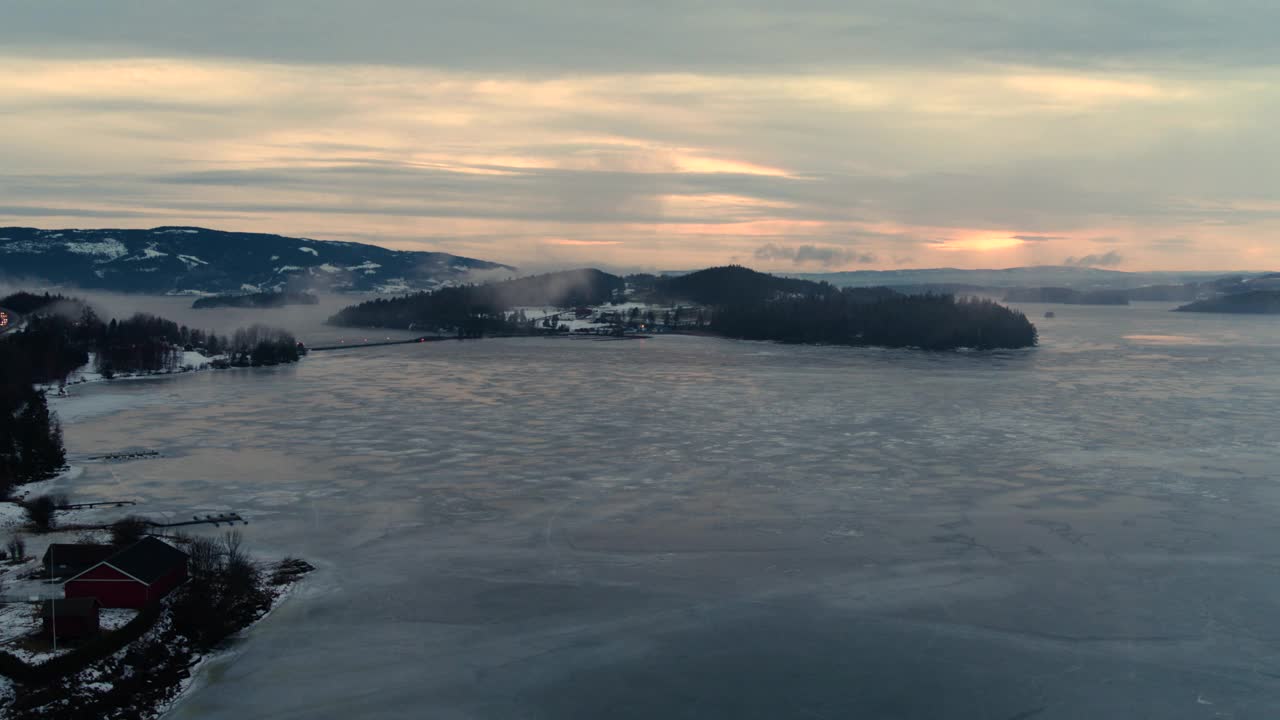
(475, 309)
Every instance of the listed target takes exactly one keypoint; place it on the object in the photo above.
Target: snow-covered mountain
(196, 260)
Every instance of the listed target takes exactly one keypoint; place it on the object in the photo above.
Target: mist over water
(689, 527)
(307, 322)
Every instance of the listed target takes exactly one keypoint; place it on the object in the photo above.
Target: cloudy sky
(806, 135)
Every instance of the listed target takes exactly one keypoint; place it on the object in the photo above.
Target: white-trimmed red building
(135, 577)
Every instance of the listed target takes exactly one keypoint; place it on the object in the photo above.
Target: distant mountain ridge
(1253, 302)
(193, 260)
(1079, 278)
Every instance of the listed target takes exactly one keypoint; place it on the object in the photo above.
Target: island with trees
(256, 300)
(757, 306)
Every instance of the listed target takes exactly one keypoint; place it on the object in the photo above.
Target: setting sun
(979, 243)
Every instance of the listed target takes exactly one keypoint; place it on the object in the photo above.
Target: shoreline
(179, 670)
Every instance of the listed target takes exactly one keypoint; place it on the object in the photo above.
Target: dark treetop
(483, 308)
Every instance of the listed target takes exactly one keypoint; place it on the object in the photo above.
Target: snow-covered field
(684, 526)
(568, 318)
(17, 619)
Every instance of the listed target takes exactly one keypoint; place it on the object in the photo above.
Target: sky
(806, 136)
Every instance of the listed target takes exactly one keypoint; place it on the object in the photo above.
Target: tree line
(842, 317)
(31, 446)
(26, 302)
(52, 345)
(475, 310)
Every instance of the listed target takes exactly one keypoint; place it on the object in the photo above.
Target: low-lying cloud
(824, 256)
(1107, 259)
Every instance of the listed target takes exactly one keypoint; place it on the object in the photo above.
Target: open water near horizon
(697, 528)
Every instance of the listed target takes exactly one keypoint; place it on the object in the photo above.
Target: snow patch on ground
(193, 360)
(174, 231)
(392, 285)
(250, 288)
(44, 487)
(366, 265)
(330, 268)
(109, 248)
(309, 250)
(150, 253)
(82, 374)
(11, 515)
(115, 618)
(191, 260)
(286, 268)
(17, 620)
(24, 246)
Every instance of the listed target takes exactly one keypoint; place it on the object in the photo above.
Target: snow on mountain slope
(193, 260)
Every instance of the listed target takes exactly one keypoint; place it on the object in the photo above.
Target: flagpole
(53, 603)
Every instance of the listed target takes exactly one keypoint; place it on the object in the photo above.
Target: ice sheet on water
(958, 525)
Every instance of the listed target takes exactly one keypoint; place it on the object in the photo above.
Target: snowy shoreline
(18, 622)
(182, 671)
(191, 362)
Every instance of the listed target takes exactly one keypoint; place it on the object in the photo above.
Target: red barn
(134, 577)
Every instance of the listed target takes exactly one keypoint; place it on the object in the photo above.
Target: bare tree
(206, 556)
(232, 541)
(17, 548)
(128, 530)
(40, 511)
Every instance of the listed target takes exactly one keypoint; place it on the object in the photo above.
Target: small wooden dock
(136, 455)
(100, 503)
(214, 520)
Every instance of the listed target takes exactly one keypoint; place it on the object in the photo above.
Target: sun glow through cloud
(656, 164)
(581, 243)
(978, 243)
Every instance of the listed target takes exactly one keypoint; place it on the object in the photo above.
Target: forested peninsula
(731, 301)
